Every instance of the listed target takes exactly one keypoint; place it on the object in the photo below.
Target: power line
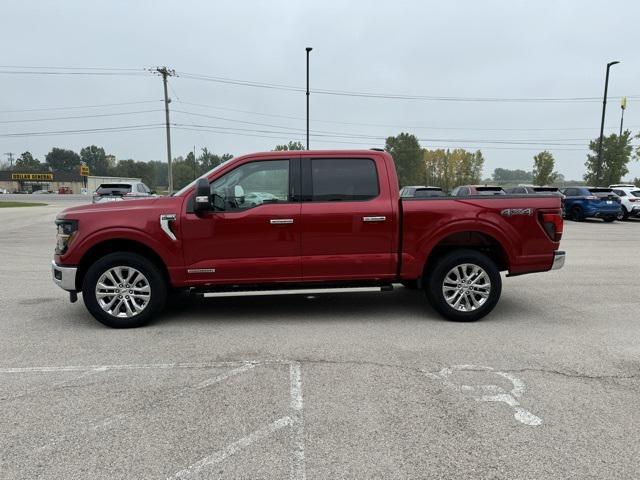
(75, 107)
(42, 67)
(44, 70)
(360, 135)
(396, 96)
(27, 72)
(387, 125)
(367, 145)
(98, 115)
(148, 126)
(280, 136)
(382, 138)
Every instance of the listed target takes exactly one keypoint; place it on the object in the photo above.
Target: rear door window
(334, 180)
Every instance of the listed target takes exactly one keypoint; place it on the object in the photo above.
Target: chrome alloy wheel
(466, 287)
(123, 291)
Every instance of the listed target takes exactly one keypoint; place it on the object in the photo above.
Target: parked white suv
(630, 196)
(116, 191)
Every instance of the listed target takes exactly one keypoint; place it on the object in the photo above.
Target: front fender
(170, 253)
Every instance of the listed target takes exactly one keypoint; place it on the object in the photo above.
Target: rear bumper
(601, 212)
(558, 260)
(64, 277)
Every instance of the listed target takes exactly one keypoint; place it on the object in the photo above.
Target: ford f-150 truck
(299, 220)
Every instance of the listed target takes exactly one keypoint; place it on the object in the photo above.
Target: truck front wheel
(464, 285)
(124, 290)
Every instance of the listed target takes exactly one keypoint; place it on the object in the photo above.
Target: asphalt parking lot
(366, 385)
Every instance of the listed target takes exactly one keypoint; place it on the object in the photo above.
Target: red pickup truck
(300, 220)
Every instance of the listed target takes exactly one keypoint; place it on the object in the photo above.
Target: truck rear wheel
(464, 285)
(124, 290)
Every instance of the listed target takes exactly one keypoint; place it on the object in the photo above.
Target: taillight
(553, 223)
(633, 199)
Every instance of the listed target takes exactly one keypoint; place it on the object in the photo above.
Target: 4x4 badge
(510, 212)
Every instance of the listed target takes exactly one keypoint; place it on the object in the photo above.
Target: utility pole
(623, 107)
(10, 156)
(308, 49)
(165, 72)
(604, 108)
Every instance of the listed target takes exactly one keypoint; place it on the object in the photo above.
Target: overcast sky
(461, 49)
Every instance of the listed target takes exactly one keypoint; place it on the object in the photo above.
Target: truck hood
(127, 206)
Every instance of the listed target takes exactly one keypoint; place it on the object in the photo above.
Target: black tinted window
(113, 189)
(424, 192)
(343, 180)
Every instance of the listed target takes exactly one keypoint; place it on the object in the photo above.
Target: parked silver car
(117, 191)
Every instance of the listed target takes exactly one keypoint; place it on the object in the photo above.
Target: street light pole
(604, 107)
(308, 49)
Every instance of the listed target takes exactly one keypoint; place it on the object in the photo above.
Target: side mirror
(202, 196)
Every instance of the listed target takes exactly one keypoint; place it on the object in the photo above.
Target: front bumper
(64, 277)
(558, 260)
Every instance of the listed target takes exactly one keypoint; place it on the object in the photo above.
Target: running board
(299, 291)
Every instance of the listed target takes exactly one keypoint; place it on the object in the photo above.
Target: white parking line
(295, 419)
(224, 376)
(105, 368)
(234, 447)
(298, 470)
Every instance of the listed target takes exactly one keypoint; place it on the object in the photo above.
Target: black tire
(575, 214)
(436, 277)
(609, 219)
(624, 214)
(153, 275)
(410, 284)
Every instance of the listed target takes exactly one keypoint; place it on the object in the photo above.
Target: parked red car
(302, 219)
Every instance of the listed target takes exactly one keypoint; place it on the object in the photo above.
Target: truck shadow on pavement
(400, 304)
(369, 306)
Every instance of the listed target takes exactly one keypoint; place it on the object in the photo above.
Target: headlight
(66, 232)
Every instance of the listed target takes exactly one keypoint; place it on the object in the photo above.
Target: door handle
(374, 219)
(281, 221)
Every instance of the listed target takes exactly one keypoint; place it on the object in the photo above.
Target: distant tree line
(154, 173)
(451, 167)
(445, 168)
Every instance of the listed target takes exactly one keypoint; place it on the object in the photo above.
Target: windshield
(190, 185)
(635, 193)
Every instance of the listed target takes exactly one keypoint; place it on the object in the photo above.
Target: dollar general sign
(32, 176)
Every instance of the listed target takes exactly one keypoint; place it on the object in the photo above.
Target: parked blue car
(591, 202)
